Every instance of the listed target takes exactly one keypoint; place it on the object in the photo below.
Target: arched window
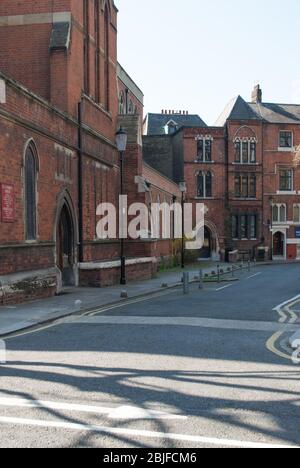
(130, 108)
(204, 184)
(97, 51)
(30, 192)
(86, 45)
(245, 150)
(106, 57)
(121, 103)
(279, 213)
(208, 185)
(200, 185)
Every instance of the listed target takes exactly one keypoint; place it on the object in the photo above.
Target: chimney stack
(256, 95)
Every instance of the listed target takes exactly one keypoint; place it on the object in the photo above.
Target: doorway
(206, 251)
(65, 247)
(278, 244)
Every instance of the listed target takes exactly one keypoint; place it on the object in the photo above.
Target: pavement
(208, 369)
(74, 300)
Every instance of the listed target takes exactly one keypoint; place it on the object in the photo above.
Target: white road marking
(138, 433)
(284, 309)
(253, 276)
(224, 287)
(122, 412)
(187, 322)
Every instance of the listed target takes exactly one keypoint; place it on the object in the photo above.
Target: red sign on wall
(7, 203)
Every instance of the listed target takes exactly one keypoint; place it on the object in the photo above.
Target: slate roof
(277, 113)
(238, 109)
(157, 122)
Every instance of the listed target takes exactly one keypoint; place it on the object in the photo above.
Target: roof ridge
(276, 103)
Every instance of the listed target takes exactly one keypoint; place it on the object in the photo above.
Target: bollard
(249, 265)
(232, 271)
(2, 352)
(255, 263)
(219, 279)
(186, 283)
(201, 285)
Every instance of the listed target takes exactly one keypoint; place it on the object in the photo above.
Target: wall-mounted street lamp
(183, 190)
(121, 142)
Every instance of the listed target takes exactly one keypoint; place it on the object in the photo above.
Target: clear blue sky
(196, 55)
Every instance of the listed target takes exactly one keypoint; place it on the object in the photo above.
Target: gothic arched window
(106, 56)
(121, 103)
(97, 51)
(30, 193)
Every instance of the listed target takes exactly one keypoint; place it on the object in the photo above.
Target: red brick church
(63, 96)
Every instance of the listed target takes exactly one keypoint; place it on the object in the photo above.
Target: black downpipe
(80, 186)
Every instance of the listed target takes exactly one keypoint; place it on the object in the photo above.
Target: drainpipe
(227, 206)
(80, 189)
(126, 99)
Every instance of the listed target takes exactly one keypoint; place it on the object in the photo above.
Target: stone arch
(245, 132)
(65, 236)
(215, 244)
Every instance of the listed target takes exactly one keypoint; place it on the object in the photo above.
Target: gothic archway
(211, 247)
(66, 241)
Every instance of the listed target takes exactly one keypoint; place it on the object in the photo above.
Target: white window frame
(249, 141)
(296, 205)
(204, 139)
(279, 206)
(284, 148)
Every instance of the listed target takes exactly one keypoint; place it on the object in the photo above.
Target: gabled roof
(237, 109)
(157, 122)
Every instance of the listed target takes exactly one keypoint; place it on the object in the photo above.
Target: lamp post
(121, 141)
(271, 200)
(183, 190)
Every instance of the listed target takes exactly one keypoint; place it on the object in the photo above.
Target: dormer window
(204, 149)
(171, 127)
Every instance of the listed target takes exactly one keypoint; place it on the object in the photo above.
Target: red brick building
(59, 111)
(245, 170)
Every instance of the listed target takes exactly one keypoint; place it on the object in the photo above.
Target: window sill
(244, 199)
(204, 198)
(245, 164)
(286, 192)
(203, 162)
(286, 150)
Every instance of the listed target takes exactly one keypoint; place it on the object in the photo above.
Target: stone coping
(115, 263)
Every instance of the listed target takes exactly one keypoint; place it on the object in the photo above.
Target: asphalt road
(172, 371)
